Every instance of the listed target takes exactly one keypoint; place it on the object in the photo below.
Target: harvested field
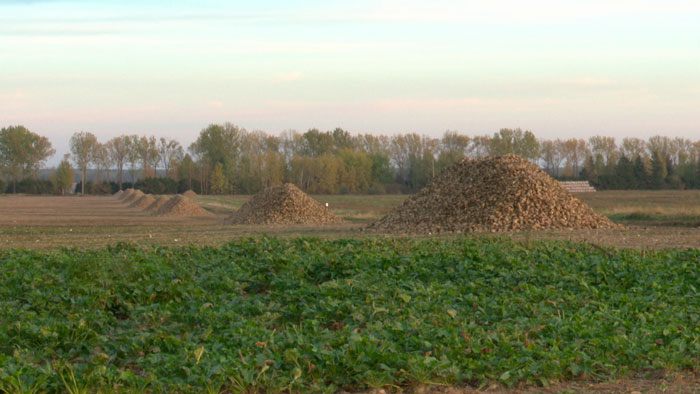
(678, 208)
(159, 202)
(283, 204)
(91, 222)
(181, 206)
(503, 193)
(144, 202)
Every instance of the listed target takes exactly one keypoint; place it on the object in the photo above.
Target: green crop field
(312, 315)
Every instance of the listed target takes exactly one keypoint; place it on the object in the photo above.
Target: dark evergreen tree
(641, 178)
(589, 172)
(687, 173)
(624, 174)
(658, 171)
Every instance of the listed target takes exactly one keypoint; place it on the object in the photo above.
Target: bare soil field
(653, 219)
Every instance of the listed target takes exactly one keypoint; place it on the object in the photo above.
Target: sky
(169, 68)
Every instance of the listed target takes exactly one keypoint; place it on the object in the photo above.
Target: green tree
(217, 180)
(22, 153)
(658, 171)
(317, 143)
(342, 139)
(589, 170)
(515, 141)
(382, 171)
(274, 168)
(64, 176)
(624, 174)
(453, 148)
(83, 146)
(696, 182)
(186, 171)
(604, 150)
(673, 181)
(356, 176)
(220, 144)
(327, 171)
(641, 176)
(422, 168)
(300, 170)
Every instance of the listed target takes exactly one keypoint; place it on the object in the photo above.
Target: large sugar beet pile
(502, 193)
(283, 204)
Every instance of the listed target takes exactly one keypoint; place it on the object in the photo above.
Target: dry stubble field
(653, 219)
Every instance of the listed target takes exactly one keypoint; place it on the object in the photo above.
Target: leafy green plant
(298, 315)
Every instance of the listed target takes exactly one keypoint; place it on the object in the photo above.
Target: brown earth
(283, 204)
(502, 193)
(93, 222)
(181, 206)
(143, 202)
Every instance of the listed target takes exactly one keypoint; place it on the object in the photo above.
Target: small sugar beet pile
(178, 205)
(283, 204)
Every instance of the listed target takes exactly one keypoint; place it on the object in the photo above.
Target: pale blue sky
(169, 68)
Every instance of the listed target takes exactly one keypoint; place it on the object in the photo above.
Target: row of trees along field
(227, 159)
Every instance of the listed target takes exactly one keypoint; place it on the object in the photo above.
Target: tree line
(227, 159)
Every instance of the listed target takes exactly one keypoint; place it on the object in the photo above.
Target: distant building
(578, 186)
